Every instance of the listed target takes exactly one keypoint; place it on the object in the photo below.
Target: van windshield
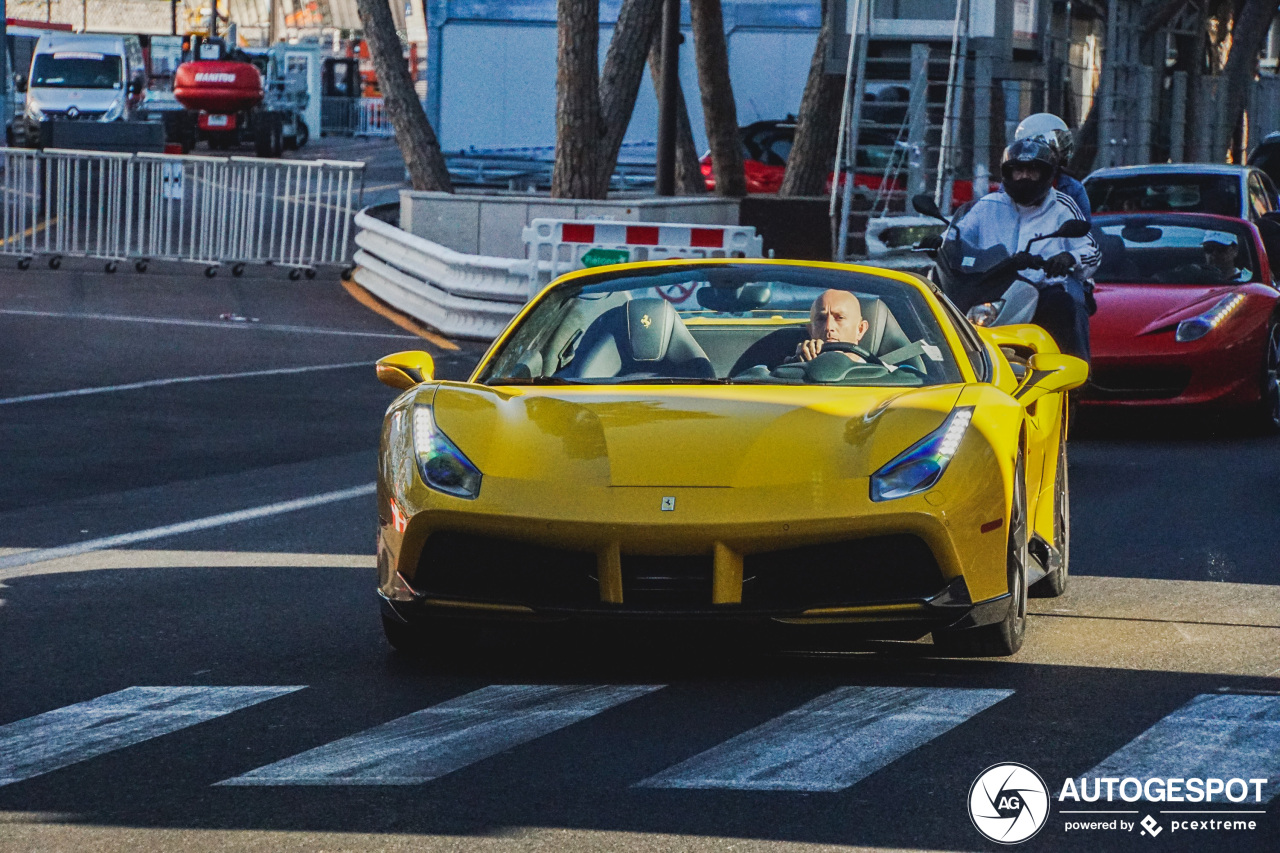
(76, 71)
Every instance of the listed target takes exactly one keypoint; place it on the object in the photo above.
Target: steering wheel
(845, 346)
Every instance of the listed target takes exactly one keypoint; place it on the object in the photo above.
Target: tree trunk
(1248, 34)
(818, 125)
(417, 140)
(689, 180)
(718, 108)
(577, 172)
(638, 24)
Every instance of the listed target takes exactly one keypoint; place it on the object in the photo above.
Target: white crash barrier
(461, 295)
(557, 246)
(208, 210)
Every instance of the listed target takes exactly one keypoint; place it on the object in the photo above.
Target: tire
(24, 263)
(304, 133)
(55, 262)
(1056, 583)
(237, 270)
(111, 266)
(1269, 407)
(276, 126)
(140, 266)
(210, 272)
(263, 138)
(295, 274)
(1004, 637)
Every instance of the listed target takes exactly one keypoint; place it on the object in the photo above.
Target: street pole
(665, 172)
(271, 22)
(173, 17)
(5, 101)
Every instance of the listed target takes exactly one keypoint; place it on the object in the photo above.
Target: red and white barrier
(557, 246)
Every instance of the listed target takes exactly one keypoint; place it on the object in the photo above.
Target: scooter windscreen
(969, 274)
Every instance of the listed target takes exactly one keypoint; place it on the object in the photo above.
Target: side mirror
(403, 370)
(1072, 229)
(20, 82)
(1051, 373)
(926, 206)
(135, 86)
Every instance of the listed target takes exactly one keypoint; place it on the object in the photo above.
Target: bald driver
(835, 316)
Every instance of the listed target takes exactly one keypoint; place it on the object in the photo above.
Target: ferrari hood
(1126, 311)
(686, 436)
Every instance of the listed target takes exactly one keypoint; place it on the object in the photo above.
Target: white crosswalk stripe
(428, 744)
(1219, 736)
(86, 730)
(832, 742)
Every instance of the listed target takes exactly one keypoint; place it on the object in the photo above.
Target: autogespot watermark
(1009, 803)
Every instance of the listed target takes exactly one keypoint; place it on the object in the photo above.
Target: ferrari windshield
(1175, 250)
(726, 324)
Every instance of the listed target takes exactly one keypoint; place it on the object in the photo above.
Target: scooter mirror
(1072, 228)
(926, 206)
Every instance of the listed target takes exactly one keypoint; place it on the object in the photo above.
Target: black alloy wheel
(1055, 584)
(1270, 404)
(1004, 637)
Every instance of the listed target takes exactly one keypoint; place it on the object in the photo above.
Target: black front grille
(1137, 383)
(862, 571)
(667, 582)
(479, 568)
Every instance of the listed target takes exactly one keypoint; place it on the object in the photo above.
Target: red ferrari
(766, 145)
(1188, 314)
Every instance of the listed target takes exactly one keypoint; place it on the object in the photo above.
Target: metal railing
(207, 210)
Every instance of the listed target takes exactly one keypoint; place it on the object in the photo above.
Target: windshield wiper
(533, 380)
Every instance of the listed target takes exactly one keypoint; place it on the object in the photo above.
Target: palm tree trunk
(689, 180)
(576, 173)
(818, 125)
(637, 26)
(718, 108)
(414, 134)
(1248, 34)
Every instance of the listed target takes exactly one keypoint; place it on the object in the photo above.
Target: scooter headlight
(984, 314)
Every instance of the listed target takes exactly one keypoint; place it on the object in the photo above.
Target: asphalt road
(190, 642)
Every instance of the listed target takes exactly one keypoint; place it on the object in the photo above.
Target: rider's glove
(1060, 265)
(1024, 261)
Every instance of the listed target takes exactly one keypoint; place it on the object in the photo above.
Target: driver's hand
(1059, 265)
(808, 350)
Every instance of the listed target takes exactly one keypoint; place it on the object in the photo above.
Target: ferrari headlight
(985, 313)
(1195, 328)
(442, 465)
(921, 465)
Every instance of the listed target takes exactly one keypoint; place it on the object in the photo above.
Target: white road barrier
(461, 295)
(146, 207)
(559, 246)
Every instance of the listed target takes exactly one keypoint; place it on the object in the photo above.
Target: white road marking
(831, 742)
(206, 324)
(1221, 736)
(40, 555)
(427, 744)
(79, 732)
(178, 380)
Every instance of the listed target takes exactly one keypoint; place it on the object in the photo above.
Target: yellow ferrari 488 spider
(733, 440)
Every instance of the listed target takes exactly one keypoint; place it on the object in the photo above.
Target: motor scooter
(985, 282)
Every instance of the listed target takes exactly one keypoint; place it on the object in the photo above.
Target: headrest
(650, 323)
(877, 316)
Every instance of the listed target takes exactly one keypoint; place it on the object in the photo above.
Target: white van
(83, 77)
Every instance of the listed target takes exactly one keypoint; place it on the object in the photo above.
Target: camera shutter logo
(1008, 803)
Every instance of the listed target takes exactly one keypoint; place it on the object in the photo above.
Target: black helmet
(1029, 152)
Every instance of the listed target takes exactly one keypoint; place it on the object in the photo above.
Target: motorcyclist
(1027, 206)
(1053, 131)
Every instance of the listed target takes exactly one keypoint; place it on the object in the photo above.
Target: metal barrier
(208, 210)
(372, 120)
(558, 246)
